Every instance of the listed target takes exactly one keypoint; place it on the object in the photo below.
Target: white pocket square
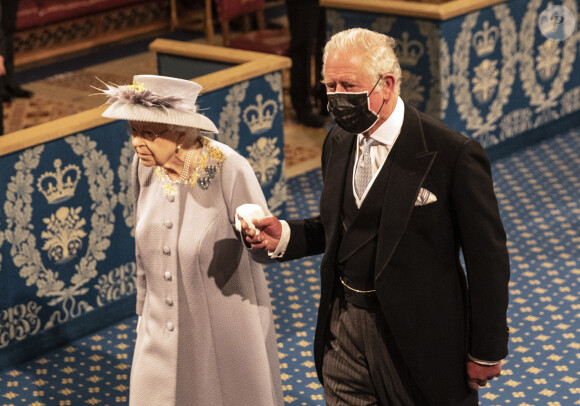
(425, 197)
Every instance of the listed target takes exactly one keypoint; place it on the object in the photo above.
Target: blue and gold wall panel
(66, 245)
(490, 74)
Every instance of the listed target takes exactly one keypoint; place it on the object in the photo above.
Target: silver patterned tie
(364, 169)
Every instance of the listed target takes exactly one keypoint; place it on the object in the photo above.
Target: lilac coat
(206, 335)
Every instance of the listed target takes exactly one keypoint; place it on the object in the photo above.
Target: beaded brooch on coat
(210, 160)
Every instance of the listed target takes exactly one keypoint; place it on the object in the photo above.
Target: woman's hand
(268, 233)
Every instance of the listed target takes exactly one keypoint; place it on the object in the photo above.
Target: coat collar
(336, 156)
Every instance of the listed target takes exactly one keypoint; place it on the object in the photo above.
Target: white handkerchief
(425, 197)
(248, 213)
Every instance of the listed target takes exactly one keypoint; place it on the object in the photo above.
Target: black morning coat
(422, 288)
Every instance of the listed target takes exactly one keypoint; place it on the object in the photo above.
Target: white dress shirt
(384, 139)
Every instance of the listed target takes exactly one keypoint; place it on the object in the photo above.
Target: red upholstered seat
(267, 41)
(228, 9)
(34, 13)
(28, 15)
(261, 40)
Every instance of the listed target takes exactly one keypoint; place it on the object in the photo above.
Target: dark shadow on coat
(227, 255)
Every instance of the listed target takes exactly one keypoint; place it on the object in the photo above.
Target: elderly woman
(205, 334)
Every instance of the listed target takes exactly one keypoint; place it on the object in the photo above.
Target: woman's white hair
(189, 131)
(377, 51)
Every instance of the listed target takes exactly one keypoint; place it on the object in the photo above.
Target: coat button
(169, 301)
(166, 250)
(170, 326)
(168, 223)
(167, 275)
(171, 198)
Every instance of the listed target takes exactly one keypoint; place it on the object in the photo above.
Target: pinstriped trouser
(362, 366)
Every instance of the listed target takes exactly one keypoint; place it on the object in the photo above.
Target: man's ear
(389, 83)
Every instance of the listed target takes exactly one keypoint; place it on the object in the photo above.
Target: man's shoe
(17, 91)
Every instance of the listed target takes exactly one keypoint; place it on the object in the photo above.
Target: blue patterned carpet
(538, 189)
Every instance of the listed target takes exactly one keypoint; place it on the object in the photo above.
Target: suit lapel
(411, 163)
(337, 158)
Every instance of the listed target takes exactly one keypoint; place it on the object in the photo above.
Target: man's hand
(2, 68)
(268, 237)
(478, 375)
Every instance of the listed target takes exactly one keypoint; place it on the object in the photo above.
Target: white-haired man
(400, 322)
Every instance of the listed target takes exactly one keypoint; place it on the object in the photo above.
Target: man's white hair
(377, 51)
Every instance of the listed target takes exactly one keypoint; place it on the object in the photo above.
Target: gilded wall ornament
(63, 237)
(570, 101)
(411, 89)
(438, 62)
(278, 195)
(383, 24)
(548, 59)
(18, 208)
(274, 79)
(19, 322)
(229, 121)
(260, 117)
(483, 126)
(485, 80)
(116, 284)
(263, 157)
(544, 100)
(410, 51)
(60, 185)
(1, 242)
(125, 194)
(516, 122)
(485, 39)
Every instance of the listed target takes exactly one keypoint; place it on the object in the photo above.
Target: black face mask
(351, 111)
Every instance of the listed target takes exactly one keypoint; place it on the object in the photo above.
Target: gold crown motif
(260, 117)
(411, 51)
(60, 185)
(484, 40)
